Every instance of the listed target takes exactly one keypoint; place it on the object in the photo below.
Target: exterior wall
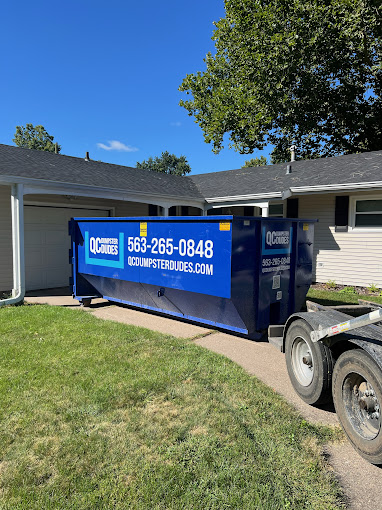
(349, 258)
(6, 271)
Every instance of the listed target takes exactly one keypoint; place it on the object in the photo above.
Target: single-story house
(41, 191)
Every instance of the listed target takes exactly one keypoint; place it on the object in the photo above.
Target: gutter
(17, 206)
(238, 198)
(335, 187)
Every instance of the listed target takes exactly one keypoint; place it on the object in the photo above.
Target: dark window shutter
(292, 208)
(249, 210)
(153, 210)
(342, 214)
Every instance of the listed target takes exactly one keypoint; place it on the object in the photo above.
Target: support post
(17, 205)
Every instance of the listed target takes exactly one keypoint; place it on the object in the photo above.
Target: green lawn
(332, 297)
(95, 414)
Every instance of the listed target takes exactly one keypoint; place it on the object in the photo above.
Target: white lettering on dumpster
(172, 265)
(106, 245)
(277, 237)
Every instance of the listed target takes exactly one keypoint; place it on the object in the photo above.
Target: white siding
(348, 258)
(6, 275)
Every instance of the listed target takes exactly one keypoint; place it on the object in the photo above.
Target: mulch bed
(362, 291)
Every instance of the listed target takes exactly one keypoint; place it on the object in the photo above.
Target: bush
(348, 290)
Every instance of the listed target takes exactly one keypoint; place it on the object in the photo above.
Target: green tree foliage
(303, 72)
(166, 163)
(261, 161)
(34, 137)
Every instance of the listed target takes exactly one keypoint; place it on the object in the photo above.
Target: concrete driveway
(360, 480)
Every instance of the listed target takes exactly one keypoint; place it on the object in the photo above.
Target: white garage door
(47, 244)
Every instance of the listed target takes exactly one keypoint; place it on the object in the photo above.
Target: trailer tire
(359, 414)
(309, 364)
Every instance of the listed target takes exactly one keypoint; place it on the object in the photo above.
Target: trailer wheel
(357, 395)
(309, 364)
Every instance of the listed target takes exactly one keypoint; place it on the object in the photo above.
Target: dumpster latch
(161, 292)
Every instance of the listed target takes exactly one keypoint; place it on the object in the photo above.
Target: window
(368, 213)
(276, 210)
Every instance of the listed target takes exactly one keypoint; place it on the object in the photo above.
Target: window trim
(352, 213)
(277, 202)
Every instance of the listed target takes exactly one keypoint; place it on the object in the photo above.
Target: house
(344, 193)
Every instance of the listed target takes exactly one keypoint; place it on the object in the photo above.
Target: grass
(100, 415)
(331, 297)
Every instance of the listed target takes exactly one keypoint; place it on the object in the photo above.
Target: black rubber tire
(318, 390)
(349, 365)
(86, 302)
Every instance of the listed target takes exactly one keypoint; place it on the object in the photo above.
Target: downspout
(17, 206)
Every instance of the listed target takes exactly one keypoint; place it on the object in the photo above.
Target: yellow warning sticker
(143, 229)
(305, 226)
(224, 225)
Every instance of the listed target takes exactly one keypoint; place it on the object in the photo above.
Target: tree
(261, 161)
(34, 137)
(166, 163)
(303, 72)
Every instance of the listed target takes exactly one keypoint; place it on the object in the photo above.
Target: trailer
(249, 276)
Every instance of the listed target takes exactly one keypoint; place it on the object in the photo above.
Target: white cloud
(115, 145)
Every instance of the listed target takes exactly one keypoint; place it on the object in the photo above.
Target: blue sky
(96, 72)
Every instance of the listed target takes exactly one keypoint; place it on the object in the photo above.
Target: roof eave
(44, 186)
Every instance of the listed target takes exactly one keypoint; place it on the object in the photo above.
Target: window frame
(280, 202)
(353, 212)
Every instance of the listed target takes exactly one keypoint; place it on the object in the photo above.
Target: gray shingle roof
(16, 161)
(353, 168)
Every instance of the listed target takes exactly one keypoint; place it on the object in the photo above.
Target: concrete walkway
(360, 480)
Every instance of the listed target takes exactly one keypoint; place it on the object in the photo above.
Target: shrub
(348, 290)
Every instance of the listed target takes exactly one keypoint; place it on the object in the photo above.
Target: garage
(47, 243)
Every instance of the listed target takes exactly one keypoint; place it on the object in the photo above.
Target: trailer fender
(312, 318)
(370, 342)
(368, 338)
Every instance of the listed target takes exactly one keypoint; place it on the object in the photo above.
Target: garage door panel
(35, 259)
(34, 278)
(54, 278)
(33, 237)
(47, 244)
(54, 237)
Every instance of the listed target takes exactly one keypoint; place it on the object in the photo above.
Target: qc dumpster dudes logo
(273, 238)
(105, 251)
(276, 248)
(276, 241)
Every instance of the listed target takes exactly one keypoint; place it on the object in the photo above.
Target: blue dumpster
(237, 273)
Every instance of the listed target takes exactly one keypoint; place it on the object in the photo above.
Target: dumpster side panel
(210, 310)
(189, 256)
(245, 249)
(238, 273)
(304, 263)
(276, 269)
